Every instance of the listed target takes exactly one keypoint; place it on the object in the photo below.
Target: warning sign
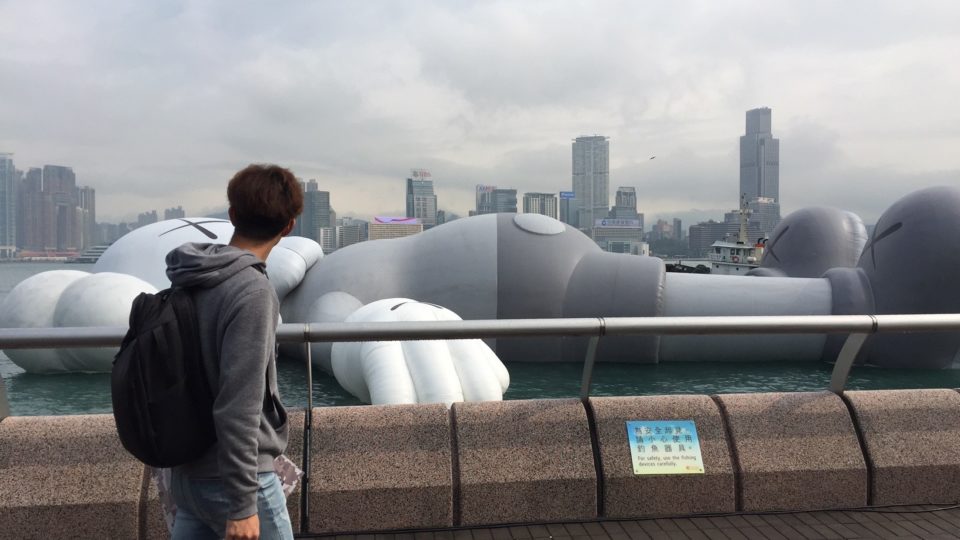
(664, 447)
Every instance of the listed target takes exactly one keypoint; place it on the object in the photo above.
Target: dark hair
(264, 198)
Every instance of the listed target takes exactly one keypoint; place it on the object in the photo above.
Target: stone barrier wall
(426, 466)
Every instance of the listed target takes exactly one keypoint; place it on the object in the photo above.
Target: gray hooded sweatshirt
(238, 312)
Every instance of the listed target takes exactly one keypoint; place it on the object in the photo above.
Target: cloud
(158, 104)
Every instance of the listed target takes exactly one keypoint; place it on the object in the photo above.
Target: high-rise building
(383, 228)
(317, 215)
(540, 203)
(30, 224)
(764, 212)
(625, 205)
(351, 231)
(174, 213)
(760, 166)
(87, 217)
(494, 200)
(568, 209)
(146, 218)
(613, 234)
(60, 209)
(591, 179)
(421, 200)
(9, 182)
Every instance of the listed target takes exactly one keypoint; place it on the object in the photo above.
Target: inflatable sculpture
(818, 262)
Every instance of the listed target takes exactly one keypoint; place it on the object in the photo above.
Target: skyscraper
(31, 200)
(317, 214)
(760, 167)
(9, 180)
(540, 203)
(60, 209)
(421, 201)
(494, 200)
(591, 179)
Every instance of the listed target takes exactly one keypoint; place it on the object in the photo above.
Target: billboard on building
(617, 223)
(567, 194)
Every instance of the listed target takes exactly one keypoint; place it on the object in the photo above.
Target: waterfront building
(317, 214)
(704, 234)
(59, 209)
(568, 209)
(631, 247)
(540, 203)
(30, 211)
(591, 179)
(610, 230)
(351, 231)
(421, 200)
(328, 239)
(625, 205)
(174, 213)
(765, 213)
(87, 217)
(9, 180)
(760, 169)
(494, 200)
(382, 227)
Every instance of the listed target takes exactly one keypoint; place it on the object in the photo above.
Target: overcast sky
(156, 104)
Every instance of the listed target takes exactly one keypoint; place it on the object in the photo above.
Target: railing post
(4, 404)
(841, 369)
(587, 380)
(307, 429)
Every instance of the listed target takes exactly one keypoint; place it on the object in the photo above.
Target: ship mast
(742, 237)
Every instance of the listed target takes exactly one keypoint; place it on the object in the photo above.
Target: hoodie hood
(207, 265)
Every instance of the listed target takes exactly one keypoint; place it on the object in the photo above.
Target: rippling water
(90, 393)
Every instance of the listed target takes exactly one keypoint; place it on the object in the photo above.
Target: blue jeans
(202, 508)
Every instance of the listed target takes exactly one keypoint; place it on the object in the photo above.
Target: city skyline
(156, 106)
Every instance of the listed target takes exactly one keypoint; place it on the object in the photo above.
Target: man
(232, 491)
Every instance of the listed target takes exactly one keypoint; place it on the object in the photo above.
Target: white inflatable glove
(63, 298)
(417, 371)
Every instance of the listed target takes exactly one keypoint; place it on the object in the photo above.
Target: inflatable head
(810, 241)
(911, 261)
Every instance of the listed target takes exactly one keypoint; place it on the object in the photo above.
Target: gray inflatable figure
(530, 266)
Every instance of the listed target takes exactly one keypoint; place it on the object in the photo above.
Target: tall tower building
(30, 221)
(591, 179)
(317, 215)
(9, 180)
(421, 201)
(60, 208)
(540, 203)
(759, 158)
(86, 216)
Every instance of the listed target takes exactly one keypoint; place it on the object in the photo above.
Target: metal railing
(859, 327)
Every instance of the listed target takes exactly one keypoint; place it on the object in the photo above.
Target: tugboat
(735, 258)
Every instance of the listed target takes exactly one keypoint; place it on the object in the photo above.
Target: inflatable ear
(143, 252)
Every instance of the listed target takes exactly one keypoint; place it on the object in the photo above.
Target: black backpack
(162, 402)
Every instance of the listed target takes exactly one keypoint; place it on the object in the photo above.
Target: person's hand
(435, 371)
(243, 529)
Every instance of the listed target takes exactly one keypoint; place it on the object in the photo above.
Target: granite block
(913, 440)
(380, 467)
(628, 495)
(156, 527)
(796, 451)
(67, 477)
(524, 461)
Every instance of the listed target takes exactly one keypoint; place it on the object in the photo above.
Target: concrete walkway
(916, 522)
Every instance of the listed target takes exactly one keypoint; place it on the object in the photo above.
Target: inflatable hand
(62, 298)
(417, 371)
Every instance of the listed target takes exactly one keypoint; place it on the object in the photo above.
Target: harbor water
(74, 393)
